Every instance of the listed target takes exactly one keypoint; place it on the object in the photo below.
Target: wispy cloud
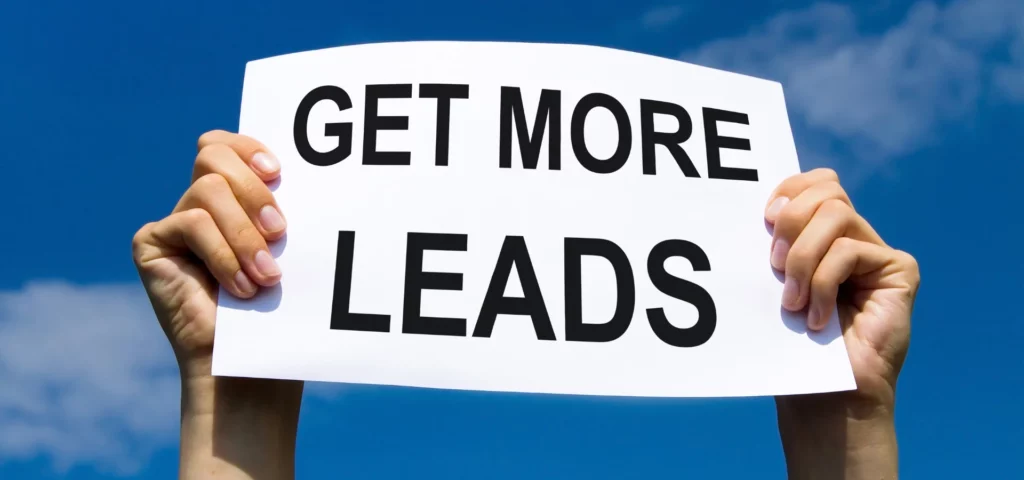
(661, 17)
(882, 95)
(86, 377)
(1010, 77)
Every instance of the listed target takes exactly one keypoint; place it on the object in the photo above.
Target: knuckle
(789, 220)
(798, 262)
(210, 138)
(822, 284)
(837, 209)
(211, 185)
(843, 244)
(827, 173)
(141, 234)
(246, 190)
(249, 237)
(139, 241)
(788, 183)
(223, 258)
(253, 193)
(835, 190)
(195, 218)
(913, 267)
(211, 155)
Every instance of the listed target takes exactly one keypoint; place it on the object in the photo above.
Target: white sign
(522, 217)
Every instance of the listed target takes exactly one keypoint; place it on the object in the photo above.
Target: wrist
(238, 428)
(838, 435)
(204, 394)
(273, 400)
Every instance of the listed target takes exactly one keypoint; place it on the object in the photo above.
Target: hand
(217, 234)
(831, 257)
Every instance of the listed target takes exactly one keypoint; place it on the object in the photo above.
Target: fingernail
(775, 208)
(243, 283)
(813, 318)
(266, 264)
(790, 292)
(779, 253)
(271, 219)
(265, 162)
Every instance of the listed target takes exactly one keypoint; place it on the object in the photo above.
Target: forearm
(238, 428)
(837, 440)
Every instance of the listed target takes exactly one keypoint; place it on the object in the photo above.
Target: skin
(238, 428)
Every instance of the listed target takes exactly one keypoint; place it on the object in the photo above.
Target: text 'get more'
(548, 122)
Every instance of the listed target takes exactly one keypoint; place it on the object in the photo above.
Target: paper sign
(526, 218)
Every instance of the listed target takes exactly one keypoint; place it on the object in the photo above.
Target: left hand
(832, 258)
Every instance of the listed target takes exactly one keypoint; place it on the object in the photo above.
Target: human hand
(217, 234)
(832, 257)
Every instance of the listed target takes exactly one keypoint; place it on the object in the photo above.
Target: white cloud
(1010, 77)
(661, 17)
(86, 376)
(882, 94)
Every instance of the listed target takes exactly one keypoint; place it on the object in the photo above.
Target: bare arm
(834, 260)
(239, 428)
(824, 440)
(217, 236)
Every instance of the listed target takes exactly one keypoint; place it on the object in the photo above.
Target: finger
(803, 204)
(213, 194)
(845, 258)
(830, 221)
(195, 231)
(794, 216)
(250, 191)
(256, 155)
(793, 186)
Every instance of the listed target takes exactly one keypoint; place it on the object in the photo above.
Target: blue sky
(919, 106)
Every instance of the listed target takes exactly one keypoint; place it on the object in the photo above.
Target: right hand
(216, 235)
